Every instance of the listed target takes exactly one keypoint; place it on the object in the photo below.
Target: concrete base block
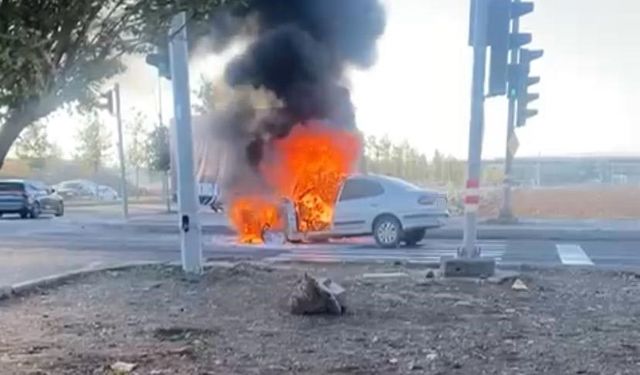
(472, 267)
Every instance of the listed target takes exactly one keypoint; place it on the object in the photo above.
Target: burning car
(390, 209)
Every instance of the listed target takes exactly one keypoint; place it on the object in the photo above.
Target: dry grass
(569, 203)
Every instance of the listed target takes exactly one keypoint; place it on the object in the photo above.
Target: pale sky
(419, 89)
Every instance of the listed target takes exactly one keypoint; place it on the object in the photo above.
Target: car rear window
(11, 186)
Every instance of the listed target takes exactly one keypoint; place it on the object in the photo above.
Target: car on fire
(394, 211)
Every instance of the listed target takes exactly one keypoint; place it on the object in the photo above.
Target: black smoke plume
(300, 52)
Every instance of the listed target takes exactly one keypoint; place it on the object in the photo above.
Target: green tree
(136, 148)
(60, 52)
(94, 142)
(437, 166)
(33, 146)
(158, 150)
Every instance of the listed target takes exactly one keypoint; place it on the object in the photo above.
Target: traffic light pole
(468, 262)
(469, 247)
(506, 211)
(123, 171)
(188, 208)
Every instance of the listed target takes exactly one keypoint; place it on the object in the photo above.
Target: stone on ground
(317, 296)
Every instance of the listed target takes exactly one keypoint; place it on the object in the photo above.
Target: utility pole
(506, 211)
(189, 222)
(165, 174)
(123, 171)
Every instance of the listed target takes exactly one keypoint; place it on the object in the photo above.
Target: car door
(357, 205)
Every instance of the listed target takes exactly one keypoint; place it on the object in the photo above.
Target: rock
(413, 366)
(393, 361)
(123, 367)
(317, 296)
(430, 274)
(519, 285)
(432, 356)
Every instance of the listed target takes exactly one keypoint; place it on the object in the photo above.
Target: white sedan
(390, 209)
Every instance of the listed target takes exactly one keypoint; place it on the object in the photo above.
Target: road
(37, 248)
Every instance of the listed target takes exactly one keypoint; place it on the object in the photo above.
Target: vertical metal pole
(469, 248)
(506, 211)
(165, 176)
(189, 222)
(123, 171)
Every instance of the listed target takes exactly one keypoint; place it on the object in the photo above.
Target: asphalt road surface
(37, 248)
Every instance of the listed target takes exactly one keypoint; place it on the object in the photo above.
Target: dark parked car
(29, 199)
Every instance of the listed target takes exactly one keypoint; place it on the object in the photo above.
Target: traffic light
(107, 101)
(161, 62)
(502, 38)
(519, 83)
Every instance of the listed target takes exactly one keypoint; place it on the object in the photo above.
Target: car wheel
(24, 214)
(35, 211)
(412, 237)
(387, 231)
(60, 210)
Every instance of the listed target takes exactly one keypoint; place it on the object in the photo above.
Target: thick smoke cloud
(300, 51)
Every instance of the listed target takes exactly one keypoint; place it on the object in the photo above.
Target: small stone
(519, 285)
(430, 274)
(413, 366)
(432, 356)
(393, 361)
(375, 339)
(510, 311)
(123, 367)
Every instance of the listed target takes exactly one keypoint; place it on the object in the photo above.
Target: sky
(419, 89)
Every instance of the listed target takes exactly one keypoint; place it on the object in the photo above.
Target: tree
(60, 52)
(136, 149)
(33, 146)
(94, 142)
(158, 152)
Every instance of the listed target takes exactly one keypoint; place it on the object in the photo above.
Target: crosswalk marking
(572, 254)
(425, 254)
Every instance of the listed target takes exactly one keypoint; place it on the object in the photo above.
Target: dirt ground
(235, 321)
(568, 203)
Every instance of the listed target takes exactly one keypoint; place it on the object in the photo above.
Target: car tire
(387, 231)
(412, 237)
(35, 211)
(60, 210)
(24, 214)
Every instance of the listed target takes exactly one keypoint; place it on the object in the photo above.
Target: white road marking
(573, 255)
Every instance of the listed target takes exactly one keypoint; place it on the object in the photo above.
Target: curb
(51, 281)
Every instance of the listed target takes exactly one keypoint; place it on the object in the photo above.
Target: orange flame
(307, 167)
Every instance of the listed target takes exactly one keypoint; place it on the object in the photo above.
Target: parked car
(390, 209)
(107, 193)
(29, 199)
(77, 189)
